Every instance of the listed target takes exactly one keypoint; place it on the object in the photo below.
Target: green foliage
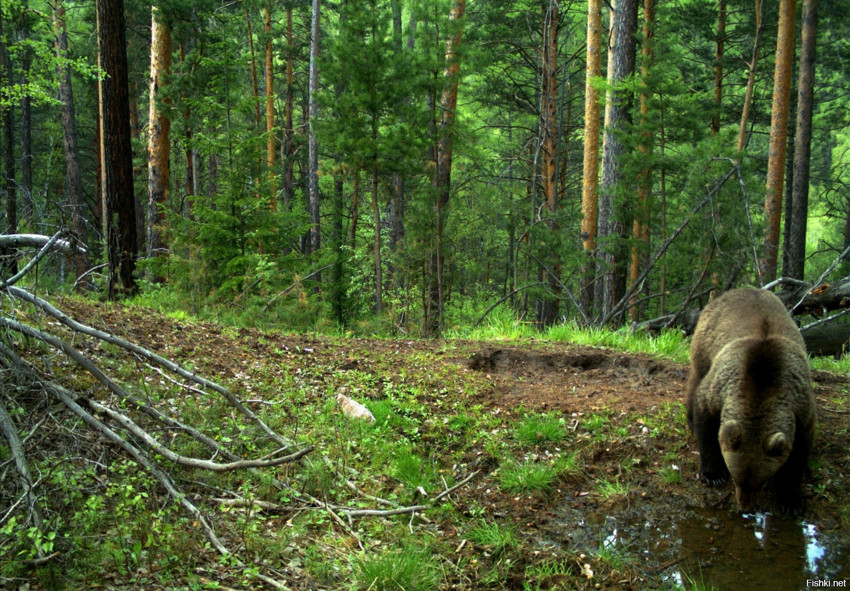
(494, 537)
(409, 569)
(528, 476)
(538, 429)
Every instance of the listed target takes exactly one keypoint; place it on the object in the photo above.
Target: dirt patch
(578, 379)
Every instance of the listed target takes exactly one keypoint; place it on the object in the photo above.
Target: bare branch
(38, 240)
(150, 356)
(151, 442)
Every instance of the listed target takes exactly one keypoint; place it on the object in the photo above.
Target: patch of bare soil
(662, 524)
(577, 379)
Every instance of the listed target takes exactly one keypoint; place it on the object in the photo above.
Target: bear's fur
(749, 397)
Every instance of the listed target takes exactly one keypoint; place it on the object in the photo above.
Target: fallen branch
(68, 399)
(155, 445)
(38, 240)
(150, 356)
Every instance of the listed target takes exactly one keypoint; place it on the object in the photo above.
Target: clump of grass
(614, 554)
(497, 539)
(528, 477)
(697, 583)
(408, 569)
(411, 469)
(595, 423)
(612, 488)
(317, 478)
(537, 429)
(671, 474)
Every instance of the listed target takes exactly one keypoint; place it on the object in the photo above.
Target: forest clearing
(570, 467)
(394, 294)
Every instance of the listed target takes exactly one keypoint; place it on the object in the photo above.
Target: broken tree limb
(149, 355)
(68, 399)
(155, 445)
(16, 450)
(51, 242)
(38, 241)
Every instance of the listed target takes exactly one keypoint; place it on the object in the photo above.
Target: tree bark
(751, 78)
(445, 135)
(255, 84)
(117, 153)
(313, 153)
(159, 140)
(621, 64)
(269, 72)
(718, 64)
(795, 248)
(590, 176)
(640, 226)
(287, 147)
(26, 127)
(778, 137)
(376, 255)
(73, 182)
(8, 264)
(548, 310)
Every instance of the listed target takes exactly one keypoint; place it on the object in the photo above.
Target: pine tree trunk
(590, 176)
(255, 84)
(445, 135)
(26, 130)
(288, 147)
(159, 141)
(751, 78)
(548, 311)
(269, 71)
(640, 227)
(119, 206)
(355, 210)
(376, 255)
(795, 248)
(778, 136)
(73, 182)
(313, 153)
(8, 265)
(621, 64)
(718, 64)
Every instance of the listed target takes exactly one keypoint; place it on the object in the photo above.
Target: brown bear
(749, 397)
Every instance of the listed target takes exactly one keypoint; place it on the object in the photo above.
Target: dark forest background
(403, 166)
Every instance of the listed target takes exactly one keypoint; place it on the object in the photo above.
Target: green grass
(408, 569)
(538, 429)
(611, 488)
(528, 477)
(613, 553)
(496, 539)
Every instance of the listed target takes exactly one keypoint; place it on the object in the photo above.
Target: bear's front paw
(791, 503)
(715, 478)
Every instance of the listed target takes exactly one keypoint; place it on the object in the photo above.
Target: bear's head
(753, 454)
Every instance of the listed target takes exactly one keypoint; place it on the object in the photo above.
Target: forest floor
(628, 514)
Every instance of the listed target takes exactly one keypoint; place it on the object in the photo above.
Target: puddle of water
(730, 551)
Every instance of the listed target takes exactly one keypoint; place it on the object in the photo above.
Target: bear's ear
(776, 445)
(730, 436)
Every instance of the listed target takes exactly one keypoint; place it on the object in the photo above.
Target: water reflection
(730, 551)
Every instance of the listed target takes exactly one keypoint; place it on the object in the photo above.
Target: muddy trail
(634, 517)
